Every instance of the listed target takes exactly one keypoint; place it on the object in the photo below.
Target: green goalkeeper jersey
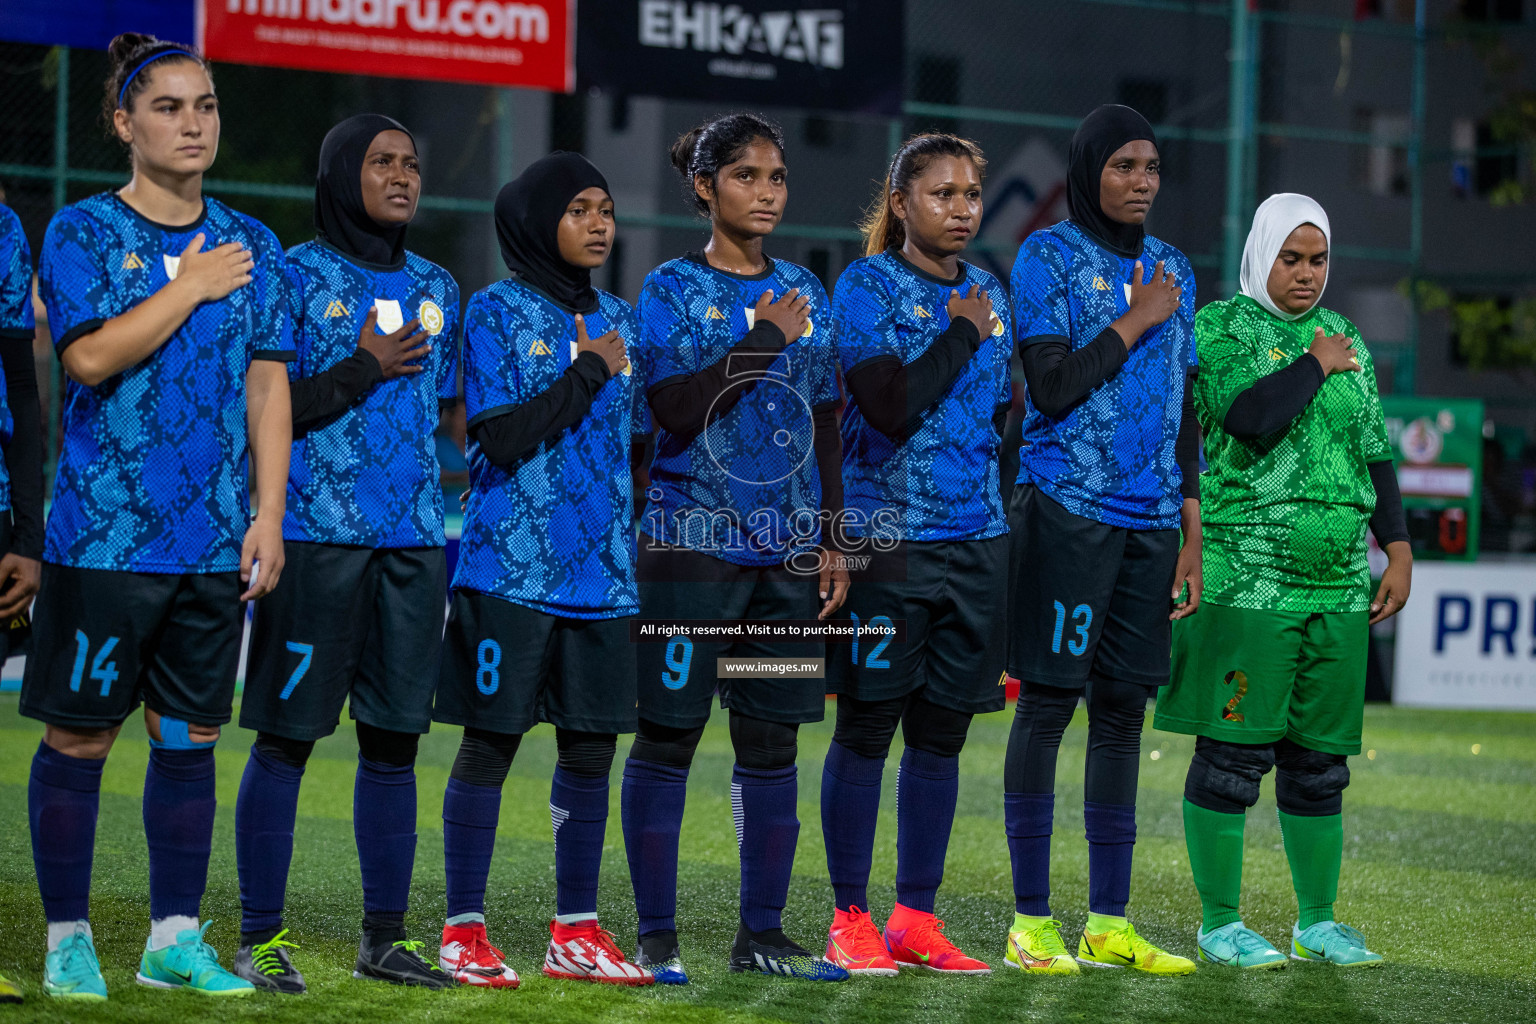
(1285, 515)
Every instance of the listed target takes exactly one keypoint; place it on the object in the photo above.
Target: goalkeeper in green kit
(1271, 673)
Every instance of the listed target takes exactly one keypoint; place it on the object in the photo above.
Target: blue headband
(123, 92)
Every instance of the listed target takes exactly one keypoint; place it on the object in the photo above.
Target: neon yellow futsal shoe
(1124, 948)
(1040, 950)
(9, 993)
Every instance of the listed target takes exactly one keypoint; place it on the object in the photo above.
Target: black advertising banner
(828, 54)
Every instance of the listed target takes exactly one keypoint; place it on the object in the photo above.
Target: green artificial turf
(1439, 873)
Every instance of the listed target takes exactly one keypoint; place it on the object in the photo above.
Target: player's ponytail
(128, 54)
(705, 149)
(881, 228)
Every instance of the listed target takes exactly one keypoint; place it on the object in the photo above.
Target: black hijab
(528, 212)
(340, 217)
(1102, 133)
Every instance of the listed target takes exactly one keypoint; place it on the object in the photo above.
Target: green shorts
(1249, 676)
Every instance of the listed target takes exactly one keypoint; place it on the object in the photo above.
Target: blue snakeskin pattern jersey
(1110, 456)
(556, 532)
(370, 477)
(152, 470)
(941, 482)
(16, 317)
(745, 489)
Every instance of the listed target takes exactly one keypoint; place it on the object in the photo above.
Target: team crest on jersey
(335, 309)
(752, 319)
(431, 316)
(714, 314)
(172, 266)
(539, 348)
(132, 262)
(997, 326)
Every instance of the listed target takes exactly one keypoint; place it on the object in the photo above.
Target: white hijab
(1273, 223)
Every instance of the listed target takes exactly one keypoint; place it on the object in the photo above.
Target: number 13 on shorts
(1082, 618)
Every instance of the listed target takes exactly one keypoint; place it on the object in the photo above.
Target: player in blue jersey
(741, 382)
(1108, 475)
(168, 315)
(359, 617)
(926, 360)
(538, 626)
(21, 472)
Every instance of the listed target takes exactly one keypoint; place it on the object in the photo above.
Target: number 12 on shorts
(1078, 646)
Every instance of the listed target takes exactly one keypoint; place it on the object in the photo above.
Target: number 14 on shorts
(1082, 618)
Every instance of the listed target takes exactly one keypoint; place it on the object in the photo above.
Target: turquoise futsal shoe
(190, 964)
(1235, 945)
(1332, 943)
(73, 972)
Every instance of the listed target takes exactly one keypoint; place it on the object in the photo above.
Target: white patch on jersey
(172, 266)
(752, 319)
(390, 318)
(1127, 287)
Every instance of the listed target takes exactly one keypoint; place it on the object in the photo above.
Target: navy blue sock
(651, 802)
(63, 795)
(927, 787)
(578, 810)
(264, 815)
(470, 814)
(179, 801)
(384, 821)
(1111, 832)
(850, 808)
(763, 804)
(1027, 820)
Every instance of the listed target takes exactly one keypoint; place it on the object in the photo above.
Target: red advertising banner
(488, 42)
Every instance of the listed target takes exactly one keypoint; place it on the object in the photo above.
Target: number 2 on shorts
(1230, 712)
(679, 661)
(1078, 646)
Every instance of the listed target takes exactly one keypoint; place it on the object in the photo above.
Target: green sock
(1215, 843)
(1098, 924)
(1315, 848)
(1026, 923)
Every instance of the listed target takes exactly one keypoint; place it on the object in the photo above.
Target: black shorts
(678, 675)
(508, 667)
(951, 597)
(104, 641)
(346, 621)
(1086, 597)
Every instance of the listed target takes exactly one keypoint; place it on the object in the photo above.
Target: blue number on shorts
(874, 660)
(679, 661)
(855, 617)
(488, 675)
(1080, 645)
(306, 653)
(101, 669)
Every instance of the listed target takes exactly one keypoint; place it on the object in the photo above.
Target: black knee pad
(1309, 783)
(935, 729)
(866, 727)
(665, 744)
(762, 745)
(587, 754)
(294, 753)
(1225, 777)
(485, 758)
(385, 746)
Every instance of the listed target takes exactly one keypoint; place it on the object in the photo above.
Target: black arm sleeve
(328, 394)
(829, 466)
(509, 435)
(24, 455)
(1274, 400)
(1186, 448)
(1388, 522)
(1059, 378)
(682, 404)
(892, 395)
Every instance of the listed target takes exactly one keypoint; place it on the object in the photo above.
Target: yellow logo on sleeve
(431, 316)
(335, 309)
(132, 262)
